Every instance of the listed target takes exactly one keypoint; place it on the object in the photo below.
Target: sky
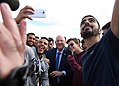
(63, 17)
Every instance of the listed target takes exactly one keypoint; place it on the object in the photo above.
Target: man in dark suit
(60, 73)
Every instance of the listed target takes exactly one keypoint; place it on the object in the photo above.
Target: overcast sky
(64, 16)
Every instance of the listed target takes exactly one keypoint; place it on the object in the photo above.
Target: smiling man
(101, 60)
(60, 73)
(43, 64)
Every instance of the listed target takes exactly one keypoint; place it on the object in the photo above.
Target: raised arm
(23, 14)
(115, 19)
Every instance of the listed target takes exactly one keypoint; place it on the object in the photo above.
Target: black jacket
(16, 78)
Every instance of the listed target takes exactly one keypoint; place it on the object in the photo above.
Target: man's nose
(87, 23)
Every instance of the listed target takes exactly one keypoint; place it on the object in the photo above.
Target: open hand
(12, 42)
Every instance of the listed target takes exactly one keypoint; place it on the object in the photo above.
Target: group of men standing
(100, 63)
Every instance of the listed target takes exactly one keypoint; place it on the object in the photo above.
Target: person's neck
(91, 41)
(40, 56)
(78, 51)
(60, 50)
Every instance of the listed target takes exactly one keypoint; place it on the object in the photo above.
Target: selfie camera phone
(38, 13)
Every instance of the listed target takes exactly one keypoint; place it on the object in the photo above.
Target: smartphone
(38, 13)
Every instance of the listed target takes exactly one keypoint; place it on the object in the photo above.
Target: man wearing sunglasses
(101, 60)
(75, 61)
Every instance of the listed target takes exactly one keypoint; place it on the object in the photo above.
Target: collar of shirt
(60, 51)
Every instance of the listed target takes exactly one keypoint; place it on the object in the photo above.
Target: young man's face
(36, 41)
(30, 40)
(89, 27)
(42, 46)
(50, 44)
(73, 46)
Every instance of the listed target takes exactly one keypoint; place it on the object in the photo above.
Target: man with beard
(31, 39)
(101, 60)
(43, 61)
(90, 30)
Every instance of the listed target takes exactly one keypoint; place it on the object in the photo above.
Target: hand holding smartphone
(38, 13)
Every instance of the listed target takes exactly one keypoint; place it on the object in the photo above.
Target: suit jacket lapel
(54, 56)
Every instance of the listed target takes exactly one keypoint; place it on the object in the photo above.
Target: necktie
(57, 60)
(57, 65)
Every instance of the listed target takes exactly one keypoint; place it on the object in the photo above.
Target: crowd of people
(29, 60)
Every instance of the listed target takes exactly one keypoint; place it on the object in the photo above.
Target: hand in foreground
(23, 14)
(12, 42)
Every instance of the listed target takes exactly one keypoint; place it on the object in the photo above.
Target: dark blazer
(64, 66)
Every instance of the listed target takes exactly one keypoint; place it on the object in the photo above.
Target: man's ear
(100, 31)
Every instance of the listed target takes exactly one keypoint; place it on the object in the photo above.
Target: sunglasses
(71, 44)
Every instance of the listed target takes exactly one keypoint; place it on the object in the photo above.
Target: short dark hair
(50, 39)
(93, 17)
(36, 37)
(30, 34)
(73, 39)
(44, 38)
